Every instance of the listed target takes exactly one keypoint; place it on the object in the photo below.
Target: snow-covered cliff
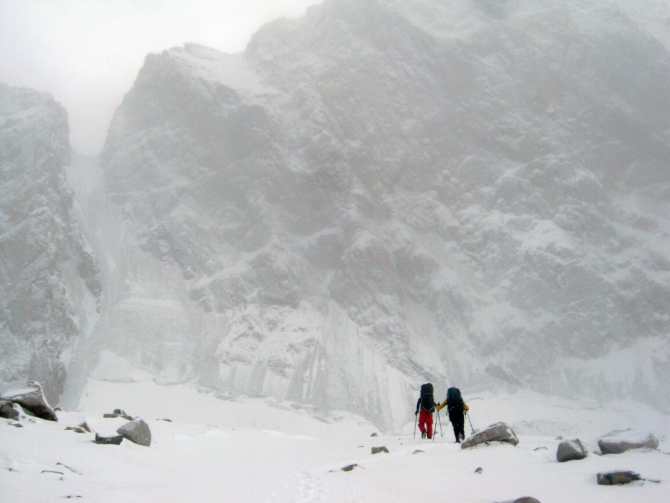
(383, 193)
(49, 282)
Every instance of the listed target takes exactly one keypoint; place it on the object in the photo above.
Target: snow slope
(256, 450)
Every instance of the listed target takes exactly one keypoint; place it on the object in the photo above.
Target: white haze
(87, 52)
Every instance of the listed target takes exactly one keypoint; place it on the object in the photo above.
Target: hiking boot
(423, 434)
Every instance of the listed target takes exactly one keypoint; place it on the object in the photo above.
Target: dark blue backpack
(454, 400)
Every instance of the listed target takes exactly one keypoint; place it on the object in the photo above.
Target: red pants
(426, 422)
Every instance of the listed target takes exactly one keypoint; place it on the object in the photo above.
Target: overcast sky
(87, 52)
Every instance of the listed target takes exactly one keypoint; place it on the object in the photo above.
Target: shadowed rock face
(366, 200)
(47, 271)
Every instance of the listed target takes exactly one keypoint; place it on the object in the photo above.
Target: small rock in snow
(569, 450)
(559, 438)
(348, 468)
(540, 449)
(377, 450)
(116, 440)
(524, 499)
(479, 469)
(110, 416)
(136, 431)
(618, 441)
(417, 451)
(617, 478)
(18, 425)
(84, 426)
(374, 435)
(76, 429)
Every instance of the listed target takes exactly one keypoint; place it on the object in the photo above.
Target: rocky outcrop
(32, 399)
(569, 450)
(499, 432)
(47, 271)
(136, 431)
(618, 441)
(9, 410)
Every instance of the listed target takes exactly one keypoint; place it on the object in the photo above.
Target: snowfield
(253, 449)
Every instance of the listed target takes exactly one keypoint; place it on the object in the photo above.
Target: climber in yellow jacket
(456, 408)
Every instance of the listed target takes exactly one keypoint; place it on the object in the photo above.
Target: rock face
(618, 441)
(569, 450)
(499, 432)
(136, 431)
(617, 478)
(47, 272)
(32, 399)
(368, 198)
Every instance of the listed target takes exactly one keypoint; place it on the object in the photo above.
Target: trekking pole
(416, 419)
(440, 422)
(471, 428)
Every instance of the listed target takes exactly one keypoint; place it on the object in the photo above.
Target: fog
(87, 52)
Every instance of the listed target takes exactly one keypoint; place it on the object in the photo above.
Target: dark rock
(166, 420)
(617, 478)
(348, 468)
(17, 425)
(122, 413)
(618, 441)
(374, 435)
(9, 410)
(136, 431)
(76, 429)
(32, 400)
(116, 440)
(417, 451)
(377, 450)
(570, 450)
(540, 449)
(84, 426)
(110, 416)
(479, 469)
(499, 432)
(524, 499)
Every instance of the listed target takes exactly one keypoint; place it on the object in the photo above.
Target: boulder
(499, 432)
(9, 410)
(136, 431)
(617, 478)
(115, 440)
(32, 400)
(618, 441)
(570, 450)
(377, 450)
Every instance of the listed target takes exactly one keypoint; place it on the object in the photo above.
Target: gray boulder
(617, 478)
(570, 450)
(32, 399)
(9, 410)
(377, 450)
(499, 432)
(618, 441)
(136, 431)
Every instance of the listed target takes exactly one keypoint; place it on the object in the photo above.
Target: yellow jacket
(444, 404)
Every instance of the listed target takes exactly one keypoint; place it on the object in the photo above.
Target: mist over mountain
(379, 194)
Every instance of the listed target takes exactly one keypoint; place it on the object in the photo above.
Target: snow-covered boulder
(618, 441)
(136, 431)
(499, 432)
(569, 450)
(32, 399)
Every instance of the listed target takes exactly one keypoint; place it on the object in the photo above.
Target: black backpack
(427, 400)
(454, 400)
